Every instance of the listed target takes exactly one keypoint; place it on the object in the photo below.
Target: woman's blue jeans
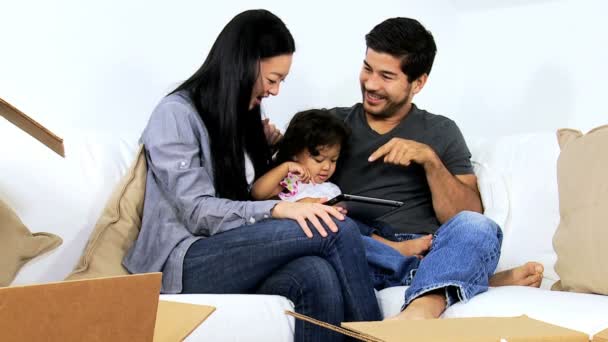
(326, 278)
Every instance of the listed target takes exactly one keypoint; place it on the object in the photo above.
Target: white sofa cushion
(582, 312)
(527, 163)
(494, 194)
(261, 318)
(241, 318)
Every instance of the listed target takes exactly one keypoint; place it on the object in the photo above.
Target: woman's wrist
(273, 210)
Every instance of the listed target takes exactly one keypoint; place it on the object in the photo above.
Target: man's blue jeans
(462, 258)
(326, 278)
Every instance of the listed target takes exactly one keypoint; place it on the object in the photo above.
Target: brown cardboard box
(104, 309)
(33, 128)
(481, 329)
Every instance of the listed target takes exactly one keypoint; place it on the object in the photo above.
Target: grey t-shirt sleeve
(453, 150)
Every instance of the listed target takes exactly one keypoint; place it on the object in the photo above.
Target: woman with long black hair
(205, 145)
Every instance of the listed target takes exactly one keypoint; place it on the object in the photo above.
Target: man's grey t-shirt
(356, 176)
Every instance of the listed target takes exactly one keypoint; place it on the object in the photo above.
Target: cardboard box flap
(602, 336)
(31, 127)
(104, 309)
(481, 329)
(175, 321)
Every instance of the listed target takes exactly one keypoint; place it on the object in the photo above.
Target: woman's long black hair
(221, 91)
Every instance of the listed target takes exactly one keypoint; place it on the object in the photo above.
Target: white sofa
(516, 175)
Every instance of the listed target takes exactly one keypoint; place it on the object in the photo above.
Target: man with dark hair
(400, 152)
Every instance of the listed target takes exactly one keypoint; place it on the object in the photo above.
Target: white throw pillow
(527, 163)
(494, 195)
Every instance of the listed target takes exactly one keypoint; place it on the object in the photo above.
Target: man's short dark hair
(407, 39)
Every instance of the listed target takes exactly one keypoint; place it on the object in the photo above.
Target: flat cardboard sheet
(511, 329)
(31, 127)
(175, 321)
(93, 310)
(482, 329)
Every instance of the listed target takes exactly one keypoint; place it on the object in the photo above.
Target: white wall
(503, 66)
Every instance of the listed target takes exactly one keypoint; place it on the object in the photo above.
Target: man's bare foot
(429, 306)
(528, 274)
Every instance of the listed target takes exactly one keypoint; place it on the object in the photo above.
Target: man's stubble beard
(388, 110)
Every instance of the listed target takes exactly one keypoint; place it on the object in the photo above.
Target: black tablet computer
(364, 208)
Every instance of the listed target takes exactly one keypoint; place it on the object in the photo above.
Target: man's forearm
(450, 195)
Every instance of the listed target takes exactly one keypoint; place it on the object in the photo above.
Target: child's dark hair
(310, 129)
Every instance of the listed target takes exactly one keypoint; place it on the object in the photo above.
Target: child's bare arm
(268, 186)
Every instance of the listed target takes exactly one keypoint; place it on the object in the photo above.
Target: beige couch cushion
(581, 239)
(117, 228)
(18, 245)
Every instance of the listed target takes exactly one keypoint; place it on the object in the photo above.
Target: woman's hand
(299, 170)
(272, 133)
(301, 212)
(320, 200)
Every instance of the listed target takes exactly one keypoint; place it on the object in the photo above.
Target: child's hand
(299, 170)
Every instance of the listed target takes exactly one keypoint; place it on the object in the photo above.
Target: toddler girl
(305, 161)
